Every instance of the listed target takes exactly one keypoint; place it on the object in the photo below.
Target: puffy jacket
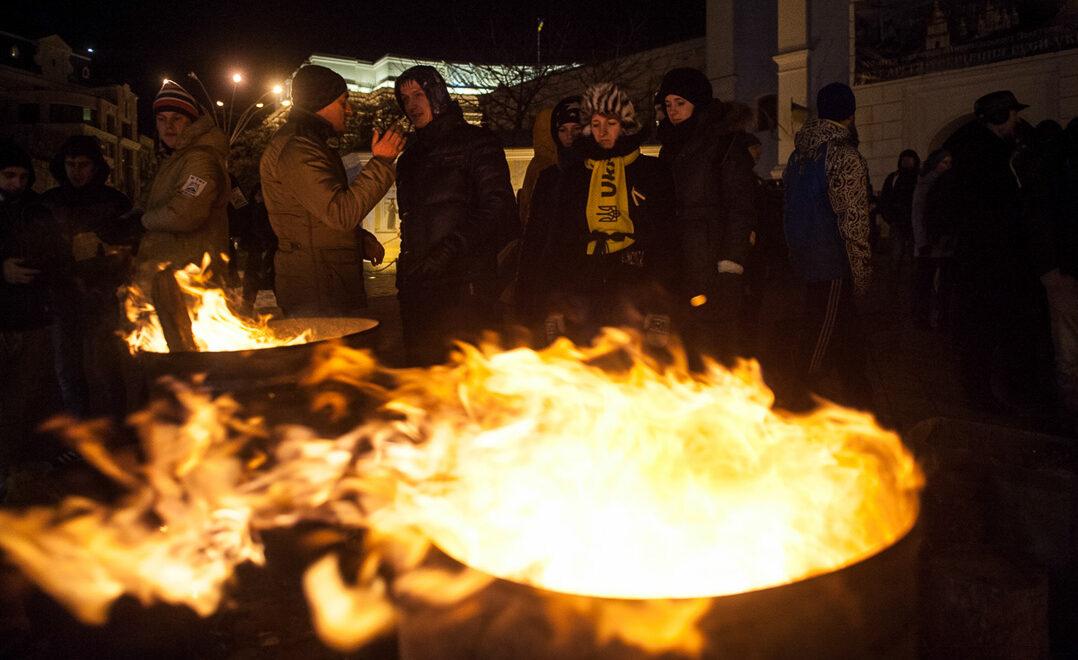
(715, 190)
(186, 210)
(456, 204)
(560, 207)
(316, 216)
(826, 212)
(545, 156)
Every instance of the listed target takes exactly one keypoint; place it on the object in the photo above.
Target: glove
(436, 260)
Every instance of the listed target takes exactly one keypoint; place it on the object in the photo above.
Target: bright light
(259, 105)
(277, 89)
(220, 104)
(286, 103)
(237, 78)
(90, 50)
(164, 81)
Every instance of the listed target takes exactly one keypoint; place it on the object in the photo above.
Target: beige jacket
(186, 211)
(316, 216)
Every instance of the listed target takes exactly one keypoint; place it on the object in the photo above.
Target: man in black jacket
(995, 281)
(35, 262)
(94, 218)
(457, 212)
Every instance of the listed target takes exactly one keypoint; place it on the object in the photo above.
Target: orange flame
(537, 467)
(213, 323)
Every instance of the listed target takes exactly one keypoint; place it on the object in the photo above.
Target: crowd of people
(679, 247)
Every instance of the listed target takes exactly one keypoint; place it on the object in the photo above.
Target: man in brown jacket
(314, 211)
(186, 214)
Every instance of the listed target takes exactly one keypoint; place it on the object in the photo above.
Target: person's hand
(387, 146)
(16, 273)
(373, 250)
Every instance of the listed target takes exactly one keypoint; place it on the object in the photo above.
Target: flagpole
(539, 43)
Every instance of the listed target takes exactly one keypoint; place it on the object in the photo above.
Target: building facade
(48, 93)
(916, 66)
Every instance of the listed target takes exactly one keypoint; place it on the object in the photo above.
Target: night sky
(141, 42)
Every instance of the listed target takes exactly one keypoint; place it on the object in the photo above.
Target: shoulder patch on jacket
(193, 187)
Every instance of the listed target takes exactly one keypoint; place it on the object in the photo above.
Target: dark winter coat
(896, 197)
(559, 208)
(91, 219)
(1051, 206)
(456, 205)
(28, 232)
(987, 208)
(316, 215)
(715, 190)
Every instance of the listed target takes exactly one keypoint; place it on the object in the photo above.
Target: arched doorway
(947, 130)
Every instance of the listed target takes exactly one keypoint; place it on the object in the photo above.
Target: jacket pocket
(342, 278)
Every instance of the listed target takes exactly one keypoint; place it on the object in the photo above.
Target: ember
(213, 323)
(537, 467)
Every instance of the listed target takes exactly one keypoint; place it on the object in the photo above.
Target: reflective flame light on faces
(214, 325)
(537, 467)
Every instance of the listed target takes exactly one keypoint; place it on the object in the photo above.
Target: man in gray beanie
(314, 211)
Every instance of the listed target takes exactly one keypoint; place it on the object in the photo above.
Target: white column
(793, 63)
(721, 64)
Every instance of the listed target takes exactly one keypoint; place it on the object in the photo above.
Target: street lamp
(237, 78)
(251, 111)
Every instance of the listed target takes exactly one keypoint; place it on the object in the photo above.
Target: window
(60, 113)
(126, 129)
(29, 113)
(110, 124)
(89, 116)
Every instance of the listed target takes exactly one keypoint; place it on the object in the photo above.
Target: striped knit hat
(173, 98)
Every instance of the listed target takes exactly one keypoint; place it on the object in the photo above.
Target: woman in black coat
(706, 149)
(610, 253)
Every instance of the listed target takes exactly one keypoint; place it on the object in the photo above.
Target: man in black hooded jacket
(457, 211)
(93, 217)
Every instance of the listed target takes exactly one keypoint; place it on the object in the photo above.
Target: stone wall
(920, 112)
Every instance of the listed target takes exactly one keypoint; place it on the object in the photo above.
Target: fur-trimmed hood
(204, 132)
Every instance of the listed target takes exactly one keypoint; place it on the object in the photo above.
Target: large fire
(213, 323)
(537, 467)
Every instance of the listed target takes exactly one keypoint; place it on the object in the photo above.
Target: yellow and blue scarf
(608, 205)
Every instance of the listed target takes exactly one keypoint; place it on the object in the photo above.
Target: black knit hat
(12, 155)
(836, 102)
(314, 87)
(690, 84)
(566, 111)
